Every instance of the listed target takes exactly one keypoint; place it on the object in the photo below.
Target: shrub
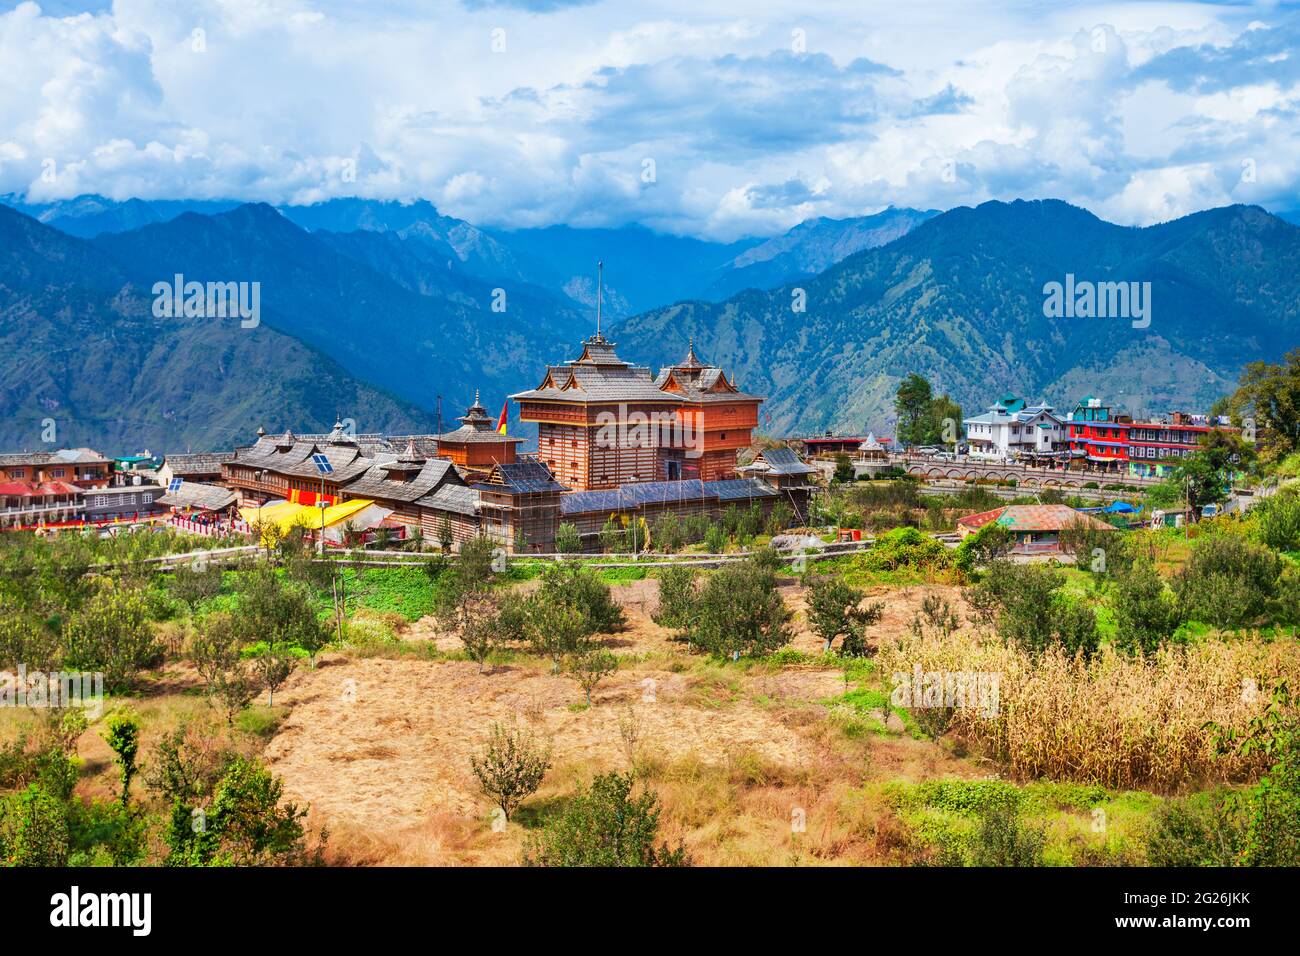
(1227, 582)
(740, 611)
(990, 542)
(591, 667)
(605, 826)
(582, 589)
(1278, 521)
(33, 829)
(511, 767)
(26, 638)
(1146, 614)
(1003, 839)
(834, 610)
(906, 547)
(215, 652)
(1194, 831)
(677, 597)
(1031, 612)
(111, 633)
(567, 539)
(252, 824)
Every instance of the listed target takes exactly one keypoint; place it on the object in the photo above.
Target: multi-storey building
(76, 466)
(603, 422)
(1155, 448)
(1012, 429)
(1097, 438)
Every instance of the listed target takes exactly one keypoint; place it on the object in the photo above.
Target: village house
(1033, 528)
(1010, 429)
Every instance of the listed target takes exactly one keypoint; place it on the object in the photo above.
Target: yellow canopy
(286, 514)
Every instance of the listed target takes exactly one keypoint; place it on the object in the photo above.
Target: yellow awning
(286, 514)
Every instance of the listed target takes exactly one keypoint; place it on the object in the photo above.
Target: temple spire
(600, 284)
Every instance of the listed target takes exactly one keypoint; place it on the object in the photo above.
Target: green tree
(677, 596)
(1269, 394)
(1206, 474)
(112, 634)
(34, 829)
(1146, 614)
(912, 406)
(835, 610)
(567, 539)
(606, 826)
(446, 538)
(1227, 582)
(740, 611)
(194, 585)
(512, 766)
(216, 654)
(591, 667)
(122, 734)
(1027, 604)
(250, 820)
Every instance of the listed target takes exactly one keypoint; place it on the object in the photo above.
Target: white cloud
(1139, 111)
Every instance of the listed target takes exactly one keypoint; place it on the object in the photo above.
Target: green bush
(739, 611)
(906, 548)
(605, 825)
(1228, 582)
(112, 634)
(1146, 614)
(1029, 609)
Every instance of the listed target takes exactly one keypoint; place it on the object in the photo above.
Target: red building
(1096, 438)
(1155, 448)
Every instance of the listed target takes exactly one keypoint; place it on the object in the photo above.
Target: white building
(1011, 429)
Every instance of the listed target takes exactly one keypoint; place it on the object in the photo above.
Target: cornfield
(1115, 721)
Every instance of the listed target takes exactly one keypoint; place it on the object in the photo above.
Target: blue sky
(716, 120)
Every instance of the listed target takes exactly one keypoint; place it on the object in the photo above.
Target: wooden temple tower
(603, 422)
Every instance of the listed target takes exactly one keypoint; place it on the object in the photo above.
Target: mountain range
(394, 315)
(961, 299)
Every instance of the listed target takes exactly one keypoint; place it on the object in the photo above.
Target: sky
(719, 120)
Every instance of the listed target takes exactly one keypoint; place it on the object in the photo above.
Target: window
(57, 472)
(18, 473)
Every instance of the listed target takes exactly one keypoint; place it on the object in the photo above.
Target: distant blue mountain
(643, 269)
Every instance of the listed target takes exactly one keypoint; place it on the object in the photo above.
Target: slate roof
(598, 375)
(64, 456)
(736, 489)
(199, 463)
(636, 494)
(379, 481)
(780, 461)
(459, 499)
(476, 426)
(196, 494)
(521, 477)
(694, 381)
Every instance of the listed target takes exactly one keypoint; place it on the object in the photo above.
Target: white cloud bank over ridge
(714, 122)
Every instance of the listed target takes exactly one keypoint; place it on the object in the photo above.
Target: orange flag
(501, 422)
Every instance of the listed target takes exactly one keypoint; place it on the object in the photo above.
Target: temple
(477, 446)
(603, 422)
